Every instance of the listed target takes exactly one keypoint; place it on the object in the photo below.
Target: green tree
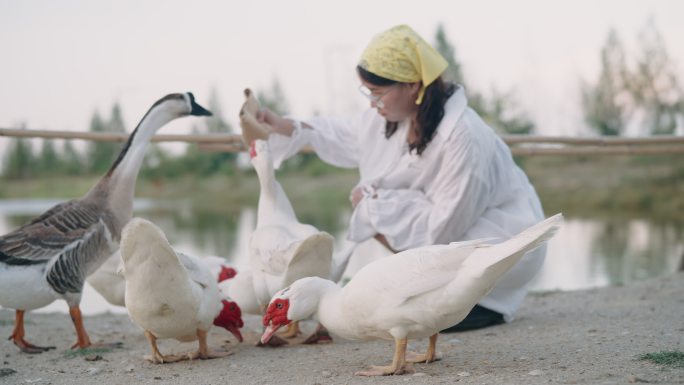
(216, 124)
(274, 98)
(644, 93)
(19, 159)
(49, 162)
(100, 155)
(116, 122)
(443, 46)
(203, 162)
(608, 104)
(159, 164)
(500, 111)
(655, 86)
(72, 164)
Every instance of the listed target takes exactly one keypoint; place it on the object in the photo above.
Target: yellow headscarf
(400, 54)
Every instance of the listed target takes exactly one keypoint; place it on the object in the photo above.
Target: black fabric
(478, 318)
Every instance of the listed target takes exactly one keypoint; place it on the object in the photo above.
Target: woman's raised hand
(252, 129)
(275, 122)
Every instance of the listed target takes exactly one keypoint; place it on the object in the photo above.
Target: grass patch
(673, 359)
(74, 353)
(10, 322)
(615, 186)
(6, 322)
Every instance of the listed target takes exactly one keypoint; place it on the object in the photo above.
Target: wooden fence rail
(523, 145)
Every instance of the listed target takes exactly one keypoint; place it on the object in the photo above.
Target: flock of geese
(293, 275)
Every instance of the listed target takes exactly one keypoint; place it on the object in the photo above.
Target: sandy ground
(583, 337)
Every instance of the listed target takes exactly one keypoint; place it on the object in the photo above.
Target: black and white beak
(197, 110)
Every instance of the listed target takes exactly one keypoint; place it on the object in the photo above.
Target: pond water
(587, 252)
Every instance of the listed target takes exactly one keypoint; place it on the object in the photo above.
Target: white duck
(241, 288)
(50, 257)
(413, 294)
(281, 248)
(168, 294)
(110, 283)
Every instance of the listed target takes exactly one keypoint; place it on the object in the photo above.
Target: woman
(431, 171)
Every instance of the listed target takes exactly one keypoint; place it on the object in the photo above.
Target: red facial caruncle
(277, 312)
(275, 317)
(226, 273)
(230, 318)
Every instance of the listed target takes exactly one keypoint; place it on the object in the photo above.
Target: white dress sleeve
(410, 218)
(334, 140)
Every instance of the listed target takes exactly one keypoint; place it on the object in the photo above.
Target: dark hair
(430, 111)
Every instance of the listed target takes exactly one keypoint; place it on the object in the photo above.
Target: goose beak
(198, 110)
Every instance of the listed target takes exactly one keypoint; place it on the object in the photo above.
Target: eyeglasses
(373, 97)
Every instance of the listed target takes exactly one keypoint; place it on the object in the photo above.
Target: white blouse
(464, 186)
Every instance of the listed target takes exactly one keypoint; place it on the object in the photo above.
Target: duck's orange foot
(208, 355)
(27, 347)
(421, 358)
(292, 331)
(158, 358)
(406, 368)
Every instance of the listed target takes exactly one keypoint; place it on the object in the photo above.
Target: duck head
(226, 273)
(275, 317)
(230, 318)
(293, 303)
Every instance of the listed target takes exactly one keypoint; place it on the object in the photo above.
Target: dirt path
(583, 337)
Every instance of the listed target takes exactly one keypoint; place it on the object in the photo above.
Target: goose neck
(130, 159)
(118, 185)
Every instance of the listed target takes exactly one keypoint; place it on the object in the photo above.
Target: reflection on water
(585, 253)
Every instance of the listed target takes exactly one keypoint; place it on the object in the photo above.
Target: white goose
(413, 294)
(281, 248)
(50, 257)
(169, 294)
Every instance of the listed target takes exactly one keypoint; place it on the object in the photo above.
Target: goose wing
(78, 259)
(53, 233)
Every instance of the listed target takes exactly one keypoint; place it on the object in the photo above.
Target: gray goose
(50, 257)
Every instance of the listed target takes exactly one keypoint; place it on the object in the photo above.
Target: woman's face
(396, 102)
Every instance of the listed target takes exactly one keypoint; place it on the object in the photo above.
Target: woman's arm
(276, 123)
(408, 218)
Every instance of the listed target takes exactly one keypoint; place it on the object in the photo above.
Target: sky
(63, 60)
